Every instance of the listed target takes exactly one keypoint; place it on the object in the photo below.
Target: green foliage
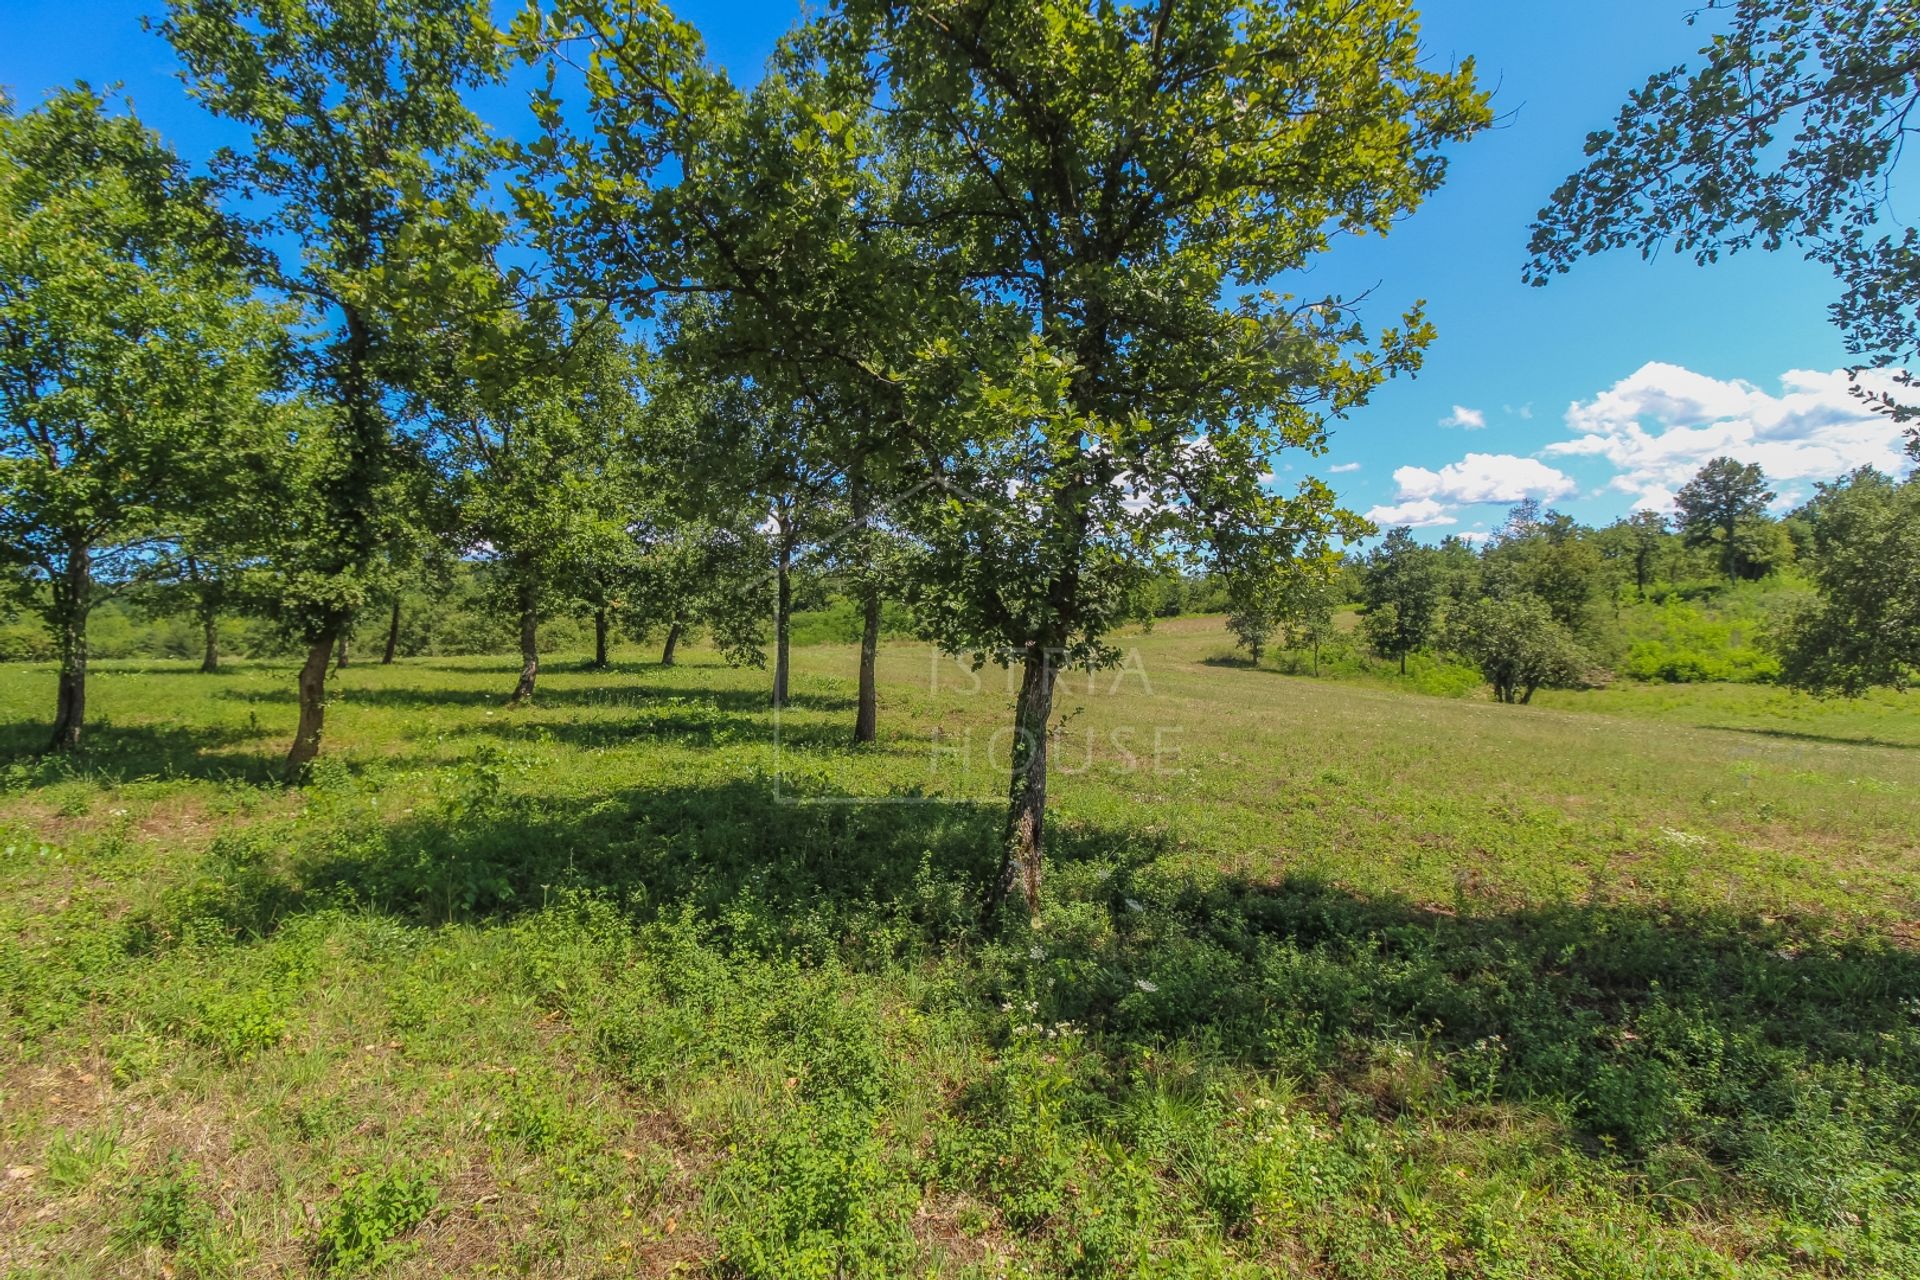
(362, 1228)
(1518, 645)
(134, 359)
(1695, 160)
(1400, 595)
(1864, 630)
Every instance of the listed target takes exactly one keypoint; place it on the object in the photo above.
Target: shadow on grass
(1756, 1043)
(551, 697)
(111, 754)
(1825, 739)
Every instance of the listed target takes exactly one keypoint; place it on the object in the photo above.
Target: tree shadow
(1763, 1043)
(1830, 739)
(111, 754)
(644, 695)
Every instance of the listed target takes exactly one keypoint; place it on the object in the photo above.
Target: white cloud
(1657, 427)
(1464, 418)
(1342, 468)
(1523, 412)
(1421, 513)
(1485, 477)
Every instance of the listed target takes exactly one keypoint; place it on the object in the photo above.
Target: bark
(210, 633)
(529, 648)
(1403, 662)
(343, 645)
(600, 636)
(1316, 657)
(866, 716)
(782, 625)
(866, 720)
(393, 635)
(313, 704)
(1027, 789)
(72, 601)
(673, 642)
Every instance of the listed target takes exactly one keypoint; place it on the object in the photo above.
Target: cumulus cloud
(1342, 468)
(1486, 477)
(1659, 425)
(1464, 418)
(1421, 513)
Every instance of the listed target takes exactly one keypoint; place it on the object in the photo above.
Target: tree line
(1536, 603)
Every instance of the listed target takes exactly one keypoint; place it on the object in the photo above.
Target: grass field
(1334, 979)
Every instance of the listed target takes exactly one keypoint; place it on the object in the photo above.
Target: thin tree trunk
(313, 704)
(1403, 662)
(1027, 790)
(866, 716)
(783, 624)
(210, 634)
(529, 647)
(343, 655)
(393, 635)
(673, 642)
(600, 636)
(866, 720)
(73, 600)
(1316, 656)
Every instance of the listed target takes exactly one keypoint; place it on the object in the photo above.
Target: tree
(1306, 607)
(774, 209)
(1122, 187)
(1713, 506)
(1253, 610)
(1638, 539)
(1864, 628)
(534, 411)
(131, 353)
(363, 157)
(1400, 596)
(1518, 645)
(1786, 133)
(1549, 555)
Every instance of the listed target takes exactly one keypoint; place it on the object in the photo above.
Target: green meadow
(1335, 978)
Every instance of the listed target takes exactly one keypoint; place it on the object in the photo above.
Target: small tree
(1864, 629)
(1638, 540)
(362, 163)
(130, 356)
(1517, 644)
(1307, 601)
(1401, 596)
(1713, 506)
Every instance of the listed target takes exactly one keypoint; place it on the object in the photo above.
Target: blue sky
(1597, 393)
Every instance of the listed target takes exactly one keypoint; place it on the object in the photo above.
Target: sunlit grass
(1334, 979)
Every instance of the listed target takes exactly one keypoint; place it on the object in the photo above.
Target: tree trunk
(344, 656)
(600, 636)
(1316, 656)
(313, 704)
(529, 648)
(72, 601)
(1027, 790)
(866, 720)
(782, 624)
(673, 642)
(393, 635)
(1403, 662)
(210, 634)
